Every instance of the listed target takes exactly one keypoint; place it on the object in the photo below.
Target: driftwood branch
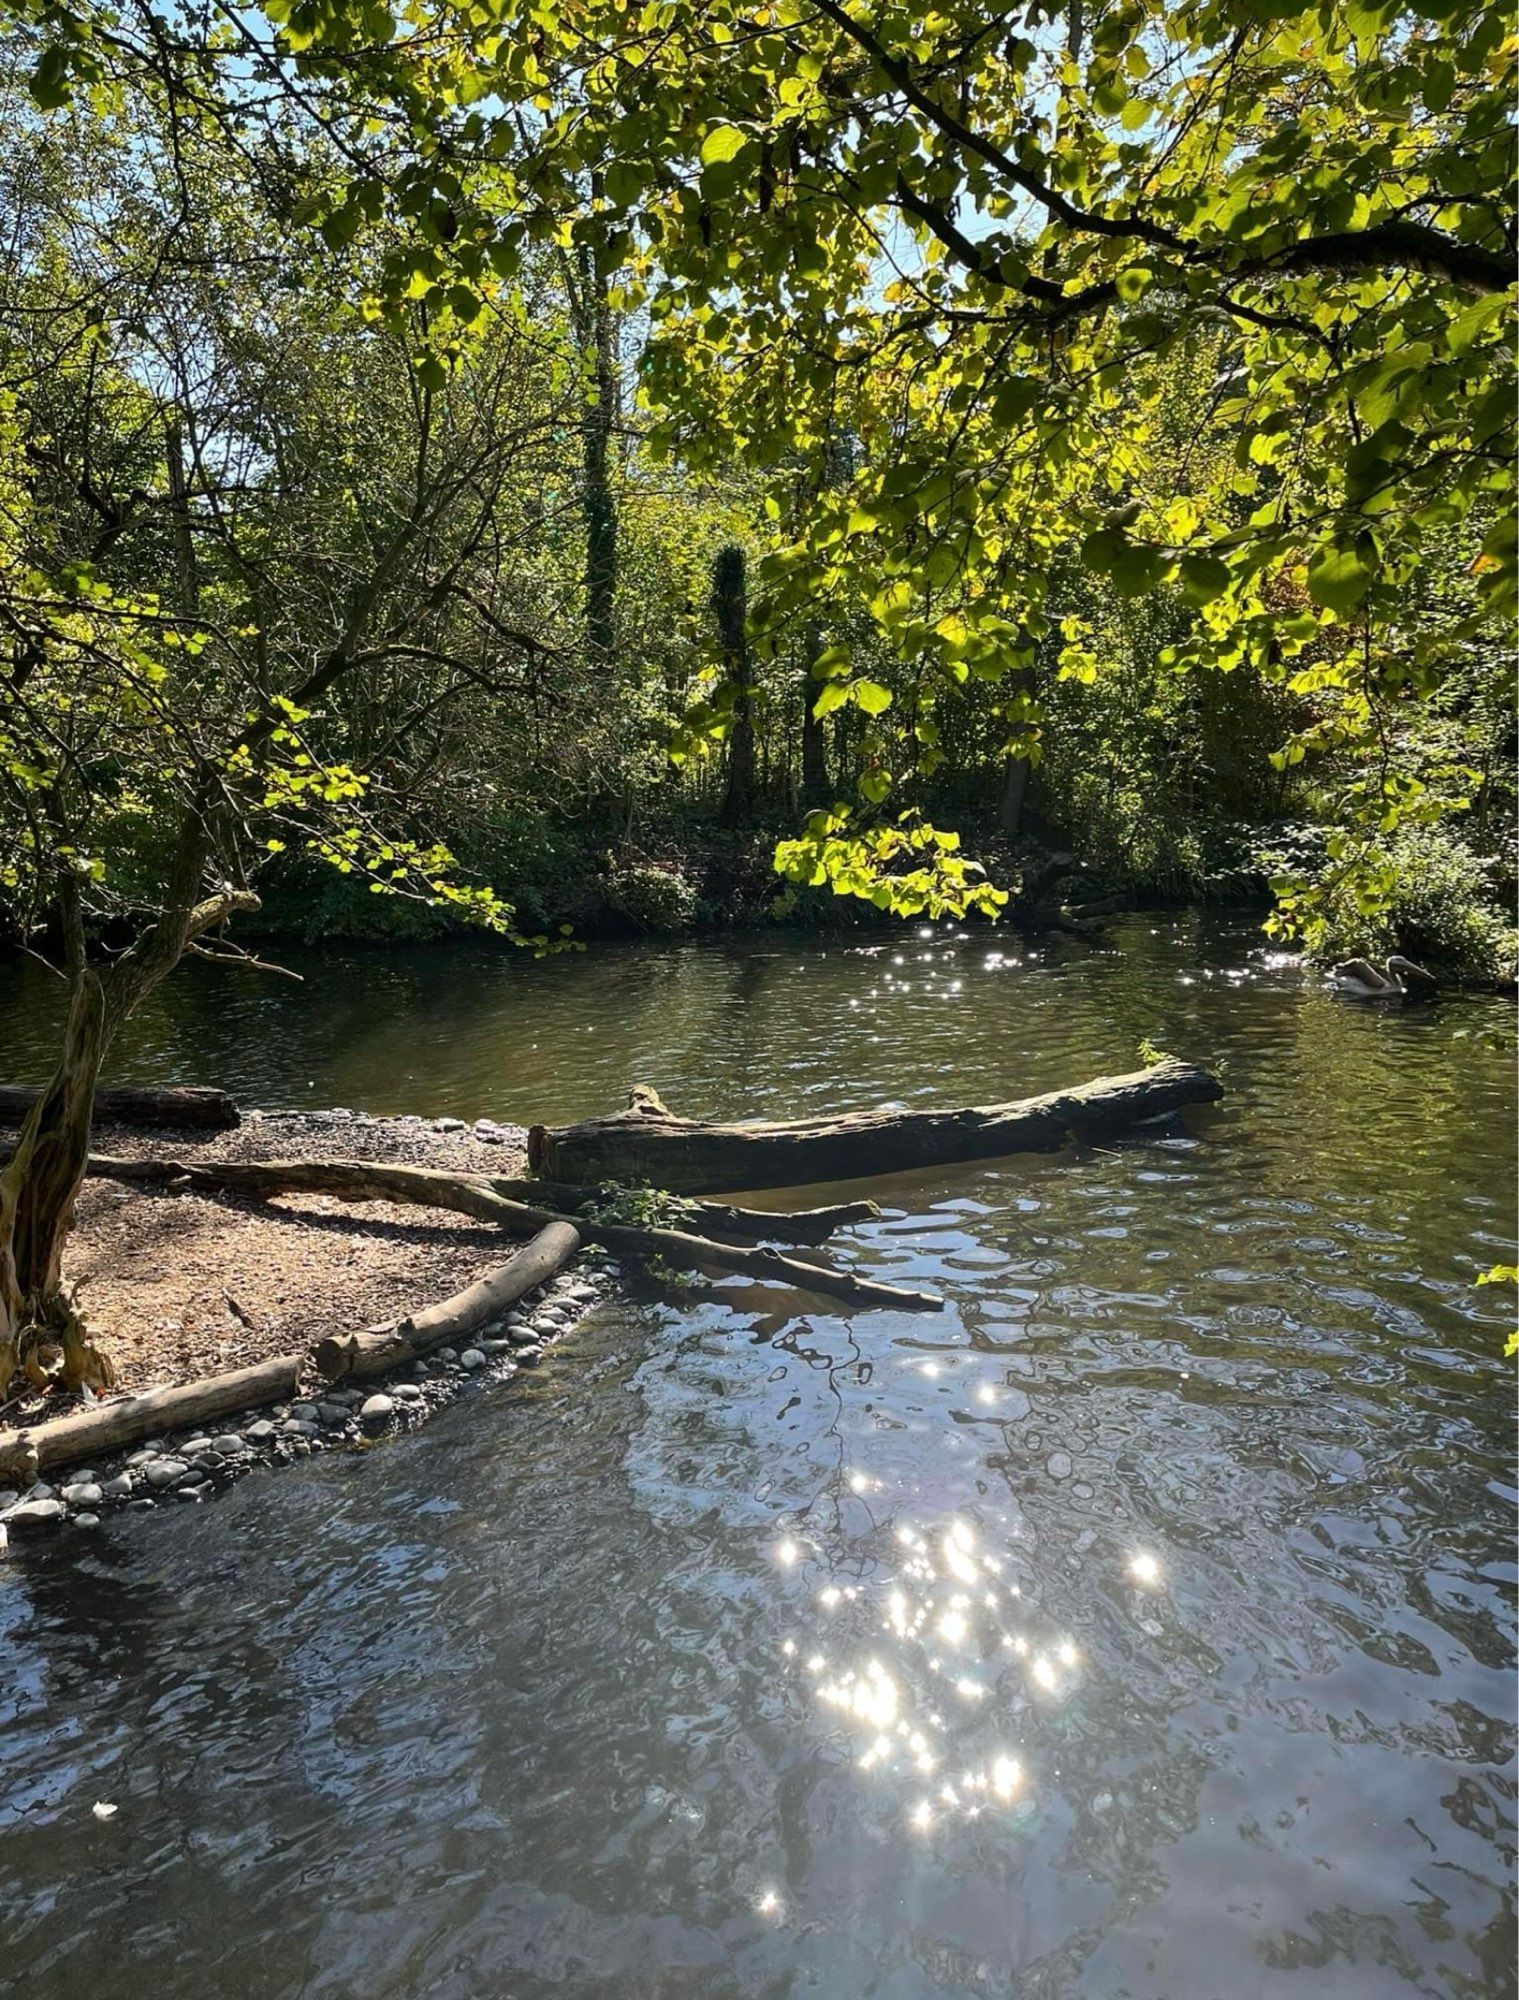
(716, 1218)
(126, 1420)
(647, 1143)
(385, 1347)
(434, 1187)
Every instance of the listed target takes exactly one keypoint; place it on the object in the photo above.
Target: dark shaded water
(1140, 1626)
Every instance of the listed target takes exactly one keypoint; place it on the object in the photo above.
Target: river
(1140, 1626)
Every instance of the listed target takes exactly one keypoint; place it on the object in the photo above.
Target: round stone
(166, 1471)
(527, 1357)
(118, 1488)
(85, 1493)
(377, 1410)
(34, 1514)
(86, 1520)
(230, 1445)
(1058, 1465)
(406, 1392)
(260, 1433)
(472, 1359)
(448, 1353)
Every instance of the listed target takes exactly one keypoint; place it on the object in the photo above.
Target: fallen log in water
(649, 1143)
(720, 1218)
(465, 1194)
(106, 1426)
(382, 1348)
(191, 1109)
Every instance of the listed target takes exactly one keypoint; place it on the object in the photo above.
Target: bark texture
(646, 1143)
(381, 1348)
(191, 1109)
(126, 1420)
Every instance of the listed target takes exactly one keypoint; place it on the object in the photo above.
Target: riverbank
(181, 1286)
(178, 1285)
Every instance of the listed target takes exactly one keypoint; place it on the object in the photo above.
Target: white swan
(1358, 979)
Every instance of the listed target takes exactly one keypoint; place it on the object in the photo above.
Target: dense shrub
(654, 898)
(1442, 909)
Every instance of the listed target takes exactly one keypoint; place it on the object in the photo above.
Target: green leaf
(1340, 578)
(722, 143)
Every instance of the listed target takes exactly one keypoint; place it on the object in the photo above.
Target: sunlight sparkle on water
(1144, 1569)
(786, 1552)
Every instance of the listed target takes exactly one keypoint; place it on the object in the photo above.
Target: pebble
(448, 1125)
(448, 1353)
(472, 1359)
(296, 1429)
(526, 1356)
(333, 1413)
(118, 1488)
(34, 1514)
(1058, 1465)
(305, 1413)
(521, 1336)
(262, 1432)
(86, 1520)
(377, 1409)
(496, 1346)
(406, 1392)
(166, 1471)
(141, 1506)
(84, 1493)
(230, 1446)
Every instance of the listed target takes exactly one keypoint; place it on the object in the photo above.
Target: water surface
(1139, 1626)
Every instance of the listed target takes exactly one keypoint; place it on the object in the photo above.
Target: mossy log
(124, 1420)
(647, 1142)
(191, 1109)
(381, 1348)
(464, 1194)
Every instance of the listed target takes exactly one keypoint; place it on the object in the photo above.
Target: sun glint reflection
(991, 1671)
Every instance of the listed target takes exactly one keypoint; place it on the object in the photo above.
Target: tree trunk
(191, 1109)
(647, 1144)
(730, 610)
(1014, 791)
(815, 782)
(38, 1189)
(599, 341)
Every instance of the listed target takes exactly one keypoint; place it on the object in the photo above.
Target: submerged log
(435, 1187)
(648, 1143)
(191, 1109)
(381, 1348)
(106, 1426)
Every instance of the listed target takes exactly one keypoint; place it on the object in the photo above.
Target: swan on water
(1401, 979)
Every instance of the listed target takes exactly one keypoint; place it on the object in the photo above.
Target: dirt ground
(175, 1286)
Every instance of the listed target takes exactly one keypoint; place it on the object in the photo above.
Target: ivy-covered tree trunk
(730, 611)
(599, 340)
(815, 783)
(38, 1189)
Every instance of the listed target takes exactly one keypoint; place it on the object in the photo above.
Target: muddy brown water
(1140, 1626)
